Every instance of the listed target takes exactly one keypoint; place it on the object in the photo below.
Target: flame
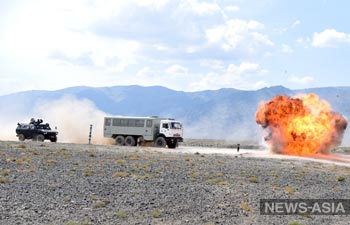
(303, 125)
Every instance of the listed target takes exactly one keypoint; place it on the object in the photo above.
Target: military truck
(131, 131)
(36, 130)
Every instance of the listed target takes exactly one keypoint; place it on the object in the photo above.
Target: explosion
(303, 125)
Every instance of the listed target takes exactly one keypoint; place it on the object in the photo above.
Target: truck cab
(171, 129)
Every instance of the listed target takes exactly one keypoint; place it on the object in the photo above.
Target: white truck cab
(171, 129)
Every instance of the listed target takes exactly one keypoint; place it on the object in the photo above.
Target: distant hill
(224, 113)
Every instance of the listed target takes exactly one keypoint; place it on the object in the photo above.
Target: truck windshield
(175, 125)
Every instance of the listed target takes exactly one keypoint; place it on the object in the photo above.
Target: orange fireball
(303, 125)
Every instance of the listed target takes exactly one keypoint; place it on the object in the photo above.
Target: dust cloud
(11, 114)
(73, 117)
(70, 115)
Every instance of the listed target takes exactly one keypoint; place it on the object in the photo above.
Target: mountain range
(215, 114)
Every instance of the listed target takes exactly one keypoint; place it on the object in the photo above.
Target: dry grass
(195, 174)
(289, 190)
(120, 174)
(77, 223)
(145, 176)
(245, 206)
(217, 181)
(91, 154)
(295, 223)
(50, 161)
(132, 157)
(156, 214)
(101, 204)
(24, 160)
(88, 172)
(340, 178)
(5, 172)
(253, 179)
(121, 214)
(4, 180)
(33, 152)
(120, 161)
(21, 146)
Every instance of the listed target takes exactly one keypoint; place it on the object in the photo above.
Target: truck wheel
(21, 137)
(40, 138)
(53, 139)
(160, 142)
(172, 144)
(130, 141)
(119, 140)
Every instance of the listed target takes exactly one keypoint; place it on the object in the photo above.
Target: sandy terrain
(60, 183)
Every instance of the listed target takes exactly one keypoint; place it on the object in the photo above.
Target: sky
(185, 45)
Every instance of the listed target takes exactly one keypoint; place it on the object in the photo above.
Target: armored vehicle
(36, 130)
(130, 131)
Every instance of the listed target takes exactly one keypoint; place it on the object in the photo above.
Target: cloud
(236, 32)
(330, 38)
(262, 39)
(213, 64)
(244, 67)
(232, 8)
(145, 72)
(301, 80)
(260, 84)
(83, 60)
(154, 4)
(287, 49)
(296, 23)
(176, 70)
(304, 42)
(200, 8)
(242, 76)
(144, 42)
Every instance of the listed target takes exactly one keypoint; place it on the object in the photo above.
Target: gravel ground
(70, 184)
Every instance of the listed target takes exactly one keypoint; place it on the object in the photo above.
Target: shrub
(340, 178)
(99, 204)
(4, 180)
(289, 190)
(253, 179)
(121, 214)
(295, 223)
(24, 160)
(33, 152)
(51, 161)
(21, 146)
(245, 206)
(91, 154)
(5, 172)
(156, 214)
(219, 174)
(134, 157)
(195, 174)
(88, 172)
(78, 223)
(223, 182)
